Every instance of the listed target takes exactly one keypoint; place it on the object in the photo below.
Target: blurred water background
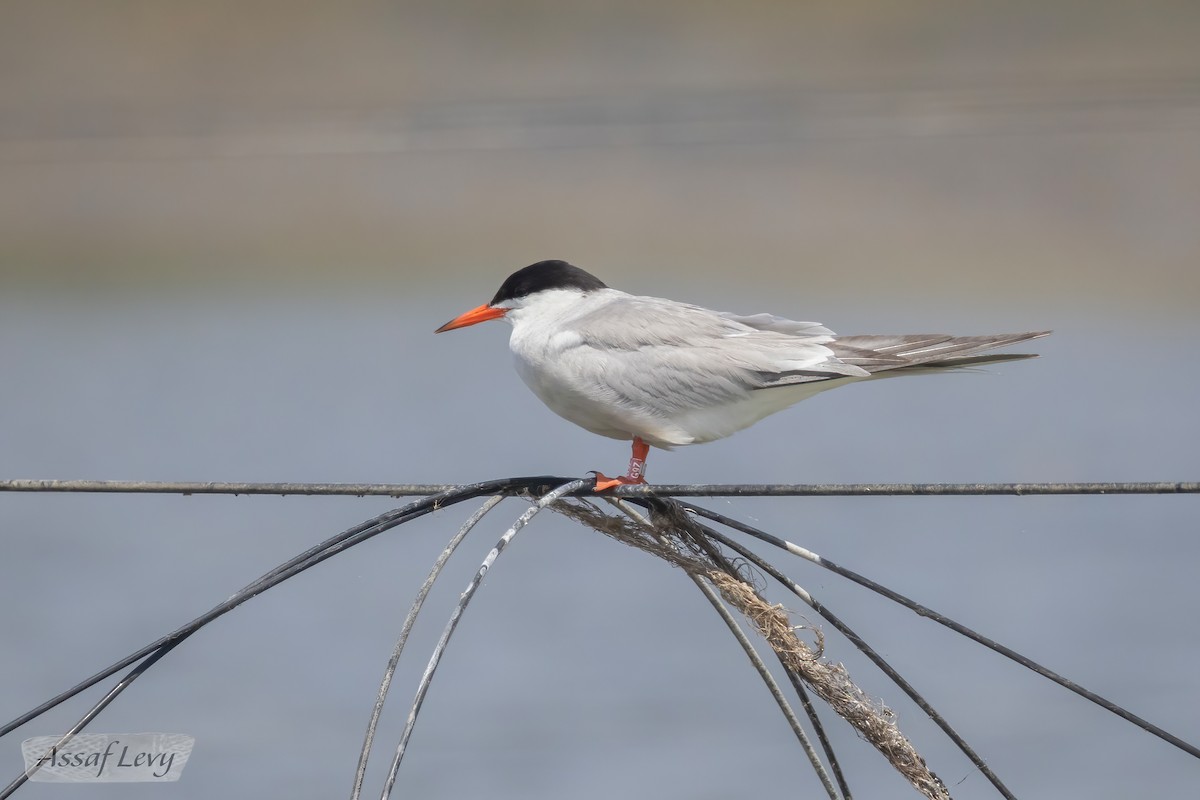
(227, 232)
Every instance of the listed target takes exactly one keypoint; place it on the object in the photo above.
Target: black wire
(92, 713)
(309, 558)
(665, 490)
(672, 511)
(819, 728)
(959, 628)
(450, 495)
(870, 653)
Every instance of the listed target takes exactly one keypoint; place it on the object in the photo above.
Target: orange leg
(636, 471)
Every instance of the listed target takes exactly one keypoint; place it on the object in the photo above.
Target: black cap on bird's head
(545, 275)
(539, 277)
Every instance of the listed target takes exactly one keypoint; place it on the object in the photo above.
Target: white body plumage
(672, 374)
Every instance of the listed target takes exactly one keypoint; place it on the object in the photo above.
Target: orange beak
(473, 317)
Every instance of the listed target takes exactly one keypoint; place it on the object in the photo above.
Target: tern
(664, 374)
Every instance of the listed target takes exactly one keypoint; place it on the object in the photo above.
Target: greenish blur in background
(1013, 149)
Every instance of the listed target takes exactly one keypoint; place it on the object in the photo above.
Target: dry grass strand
(668, 539)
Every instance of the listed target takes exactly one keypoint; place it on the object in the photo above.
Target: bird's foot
(635, 474)
(604, 483)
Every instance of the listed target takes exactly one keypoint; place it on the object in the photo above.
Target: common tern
(665, 373)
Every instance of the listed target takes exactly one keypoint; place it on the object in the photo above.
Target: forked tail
(927, 350)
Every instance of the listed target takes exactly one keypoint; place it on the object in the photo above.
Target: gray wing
(770, 322)
(683, 356)
(674, 355)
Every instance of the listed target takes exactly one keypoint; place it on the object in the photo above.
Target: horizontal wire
(664, 490)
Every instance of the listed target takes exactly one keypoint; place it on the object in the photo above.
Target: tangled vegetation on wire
(666, 529)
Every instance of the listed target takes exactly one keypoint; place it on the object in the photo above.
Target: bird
(664, 374)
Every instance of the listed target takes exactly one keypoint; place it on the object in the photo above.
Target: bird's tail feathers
(927, 352)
